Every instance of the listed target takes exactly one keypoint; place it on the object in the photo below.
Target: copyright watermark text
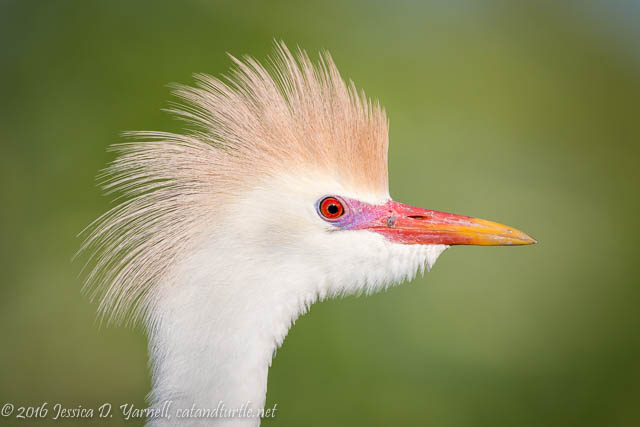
(128, 411)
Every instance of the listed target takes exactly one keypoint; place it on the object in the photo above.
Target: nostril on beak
(391, 221)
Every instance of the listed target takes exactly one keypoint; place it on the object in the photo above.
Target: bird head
(282, 173)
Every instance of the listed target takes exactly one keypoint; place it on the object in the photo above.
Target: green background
(523, 113)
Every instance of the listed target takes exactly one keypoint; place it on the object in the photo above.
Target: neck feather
(214, 336)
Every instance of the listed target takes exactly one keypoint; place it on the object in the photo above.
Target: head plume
(248, 127)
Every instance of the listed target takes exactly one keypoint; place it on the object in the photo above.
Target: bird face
(343, 241)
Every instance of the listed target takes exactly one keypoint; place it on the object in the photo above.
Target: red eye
(331, 208)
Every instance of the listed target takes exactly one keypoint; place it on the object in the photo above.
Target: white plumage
(225, 238)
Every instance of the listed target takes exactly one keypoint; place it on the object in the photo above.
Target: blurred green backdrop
(524, 113)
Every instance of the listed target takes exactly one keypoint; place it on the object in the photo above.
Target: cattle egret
(275, 197)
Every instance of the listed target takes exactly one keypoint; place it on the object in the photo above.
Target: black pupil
(333, 209)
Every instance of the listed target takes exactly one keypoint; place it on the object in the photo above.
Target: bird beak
(410, 225)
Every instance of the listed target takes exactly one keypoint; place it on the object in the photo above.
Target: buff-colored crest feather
(248, 127)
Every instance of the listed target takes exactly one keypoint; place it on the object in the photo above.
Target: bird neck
(213, 335)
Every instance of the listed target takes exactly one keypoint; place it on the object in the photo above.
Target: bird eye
(331, 208)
